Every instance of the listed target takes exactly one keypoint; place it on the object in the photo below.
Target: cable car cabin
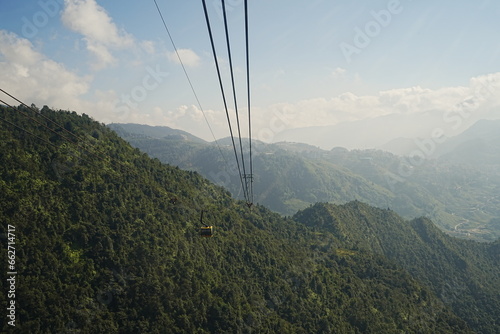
(207, 231)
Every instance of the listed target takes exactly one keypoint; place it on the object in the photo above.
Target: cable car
(205, 231)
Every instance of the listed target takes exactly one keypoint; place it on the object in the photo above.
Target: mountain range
(463, 199)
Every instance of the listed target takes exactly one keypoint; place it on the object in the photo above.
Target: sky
(312, 63)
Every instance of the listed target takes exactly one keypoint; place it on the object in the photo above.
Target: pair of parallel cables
(246, 179)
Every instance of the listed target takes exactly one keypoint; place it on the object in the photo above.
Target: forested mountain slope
(107, 241)
(464, 274)
(462, 200)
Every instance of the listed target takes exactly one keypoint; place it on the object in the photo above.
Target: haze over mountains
(394, 133)
(362, 134)
(463, 199)
(477, 145)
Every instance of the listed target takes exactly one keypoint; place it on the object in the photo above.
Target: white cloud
(415, 103)
(148, 47)
(418, 100)
(102, 53)
(32, 77)
(339, 72)
(91, 20)
(399, 112)
(187, 116)
(485, 89)
(188, 57)
(99, 31)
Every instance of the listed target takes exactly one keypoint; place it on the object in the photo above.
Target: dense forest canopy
(107, 242)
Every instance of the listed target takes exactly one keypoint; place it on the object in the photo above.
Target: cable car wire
(223, 94)
(248, 104)
(228, 44)
(190, 82)
(245, 178)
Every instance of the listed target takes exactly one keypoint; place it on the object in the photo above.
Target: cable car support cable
(245, 189)
(248, 178)
(189, 81)
(223, 94)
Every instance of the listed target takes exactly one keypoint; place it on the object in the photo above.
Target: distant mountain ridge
(291, 176)
(154, 131)
(477, 145)
(371, 133)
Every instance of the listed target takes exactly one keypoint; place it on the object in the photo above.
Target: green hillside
(107, 241)
(462, 200)
(464, 274)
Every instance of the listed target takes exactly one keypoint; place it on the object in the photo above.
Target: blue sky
(313, 62)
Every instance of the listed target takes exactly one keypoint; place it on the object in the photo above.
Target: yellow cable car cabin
(207, 231)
